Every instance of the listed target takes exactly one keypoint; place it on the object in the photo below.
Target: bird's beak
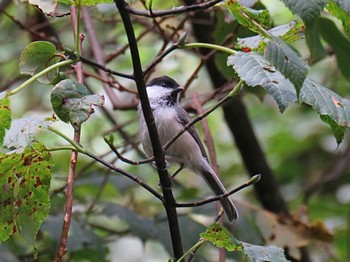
(177, 90)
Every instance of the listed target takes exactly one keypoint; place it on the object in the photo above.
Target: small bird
(188, 150)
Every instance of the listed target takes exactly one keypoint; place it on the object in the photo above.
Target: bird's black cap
(164, 81)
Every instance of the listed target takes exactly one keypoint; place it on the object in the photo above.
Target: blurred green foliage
(108, 209)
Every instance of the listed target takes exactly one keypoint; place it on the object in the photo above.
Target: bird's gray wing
(184, 119)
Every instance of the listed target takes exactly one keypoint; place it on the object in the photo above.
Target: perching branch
(169, 201)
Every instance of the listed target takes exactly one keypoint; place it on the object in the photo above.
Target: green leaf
(255, 20)
(25, 181)
(85, 2)
(255, 70)
(220, 237)
(73, 103)
(36, 57)
(341, 10)
(334, 109)
(5, 117)
(262, 253)
(339, 43)
(307, 10)
(289, 33)
(338, 131)
(287, 61)
(22, 131)
(313, 40)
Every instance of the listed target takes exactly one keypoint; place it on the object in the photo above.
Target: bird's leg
(174, 175)
(154, 164)
(177, 171)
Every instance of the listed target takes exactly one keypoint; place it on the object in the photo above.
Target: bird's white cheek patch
(154, 92)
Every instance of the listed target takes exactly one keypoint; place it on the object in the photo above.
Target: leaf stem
(210, 46)
(76, 146)
(59, 148)
(236, 89)
(194, 247)
(36, 76)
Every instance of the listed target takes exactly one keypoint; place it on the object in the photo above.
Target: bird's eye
(163, 84)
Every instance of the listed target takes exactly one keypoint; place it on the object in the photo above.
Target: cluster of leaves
(26, 171)
(266, 60)
(281, 71)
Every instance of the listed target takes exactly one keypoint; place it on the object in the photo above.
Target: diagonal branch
(124, 173)
(250, 182)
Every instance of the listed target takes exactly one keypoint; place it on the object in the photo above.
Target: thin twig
(178, 10)
(128, 175)
(62, 249)
(160, 57)
(250, 182)
(124, 159)
(108, 70)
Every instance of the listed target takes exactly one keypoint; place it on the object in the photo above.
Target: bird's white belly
(183, 150)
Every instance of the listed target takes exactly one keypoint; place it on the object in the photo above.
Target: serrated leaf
(339, 43)
(220, 237)
(36, 57)
(287, 61)
(22, 131)
(307, 10)
(85, 2)
(255, 70)
(24, 199)
(5, 117)
(262, 253)
(51, 7)
(289, 33)
(327, 103)
(73, 103)
(341, 10)
(338, 131)
(250, 18)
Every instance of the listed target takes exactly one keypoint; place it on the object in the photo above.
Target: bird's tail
(218, 188)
